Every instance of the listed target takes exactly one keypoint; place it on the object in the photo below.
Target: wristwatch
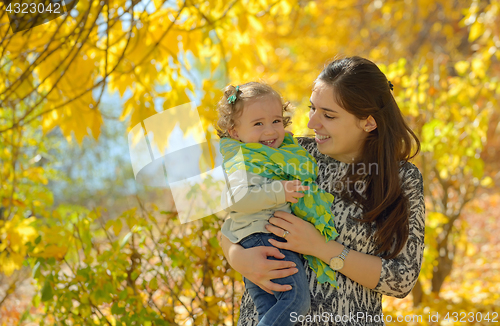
(337, 263)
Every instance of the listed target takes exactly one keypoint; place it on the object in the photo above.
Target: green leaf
(25, 315)
(123, 295)
(36, 270)
(47, 292)
(125, 239)
(84, 272)
(153, 284)
(214, 242)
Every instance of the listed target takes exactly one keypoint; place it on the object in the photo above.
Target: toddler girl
(266, 168)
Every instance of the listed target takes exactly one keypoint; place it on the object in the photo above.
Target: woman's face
(339, 134)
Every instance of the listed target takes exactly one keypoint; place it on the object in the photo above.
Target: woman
(362, 146)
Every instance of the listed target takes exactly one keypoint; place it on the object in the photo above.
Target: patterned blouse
(353, 304)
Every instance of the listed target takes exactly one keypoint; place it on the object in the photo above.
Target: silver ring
(285, 234)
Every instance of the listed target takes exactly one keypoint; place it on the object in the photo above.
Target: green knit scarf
(289, 162)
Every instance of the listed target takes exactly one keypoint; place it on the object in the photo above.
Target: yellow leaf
(243, 23)
(436, 218)
(262, 51)
(56, 251)
(476, 30)
(117, 226)
(311, 8)
(7, 266)
(462, 67)
(487, 182)
(479, 68)
(255, 24)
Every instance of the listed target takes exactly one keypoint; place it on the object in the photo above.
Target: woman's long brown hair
(362, 89)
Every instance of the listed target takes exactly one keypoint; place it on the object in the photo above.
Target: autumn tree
(442, 56)
(55, 75)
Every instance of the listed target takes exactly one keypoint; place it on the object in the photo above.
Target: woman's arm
(359, 267)
(253, 264)
(400, 274)
(394, 277)
(304, 238)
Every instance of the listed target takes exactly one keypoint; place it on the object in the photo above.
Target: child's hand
(291, 188)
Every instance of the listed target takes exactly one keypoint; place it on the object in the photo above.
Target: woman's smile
(320, 139)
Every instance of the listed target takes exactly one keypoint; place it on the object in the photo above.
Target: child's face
(260, 122)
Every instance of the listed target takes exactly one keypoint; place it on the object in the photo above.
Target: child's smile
(268, 142)
(261, 122)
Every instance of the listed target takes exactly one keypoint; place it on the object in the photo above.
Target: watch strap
(344, 253)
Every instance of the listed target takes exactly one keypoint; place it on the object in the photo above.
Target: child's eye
(258, 124)
(277, 120)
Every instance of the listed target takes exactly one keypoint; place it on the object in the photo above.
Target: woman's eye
(326, 115)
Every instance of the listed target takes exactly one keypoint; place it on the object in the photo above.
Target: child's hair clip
(231, 99)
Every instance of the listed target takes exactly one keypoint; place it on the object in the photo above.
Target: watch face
(336, 264)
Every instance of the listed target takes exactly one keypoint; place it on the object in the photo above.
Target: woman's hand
(253, 264)
(302, 236)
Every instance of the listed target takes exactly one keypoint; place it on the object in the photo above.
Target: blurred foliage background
(82, 243)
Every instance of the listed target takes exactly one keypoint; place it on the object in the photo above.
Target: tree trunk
(417, 293)
(446, 254)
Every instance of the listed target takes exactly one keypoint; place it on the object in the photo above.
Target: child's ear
(234, 134)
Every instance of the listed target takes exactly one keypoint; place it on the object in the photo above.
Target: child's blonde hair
(229, 112)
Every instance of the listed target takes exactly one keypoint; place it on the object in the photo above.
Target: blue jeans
(275, 309)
